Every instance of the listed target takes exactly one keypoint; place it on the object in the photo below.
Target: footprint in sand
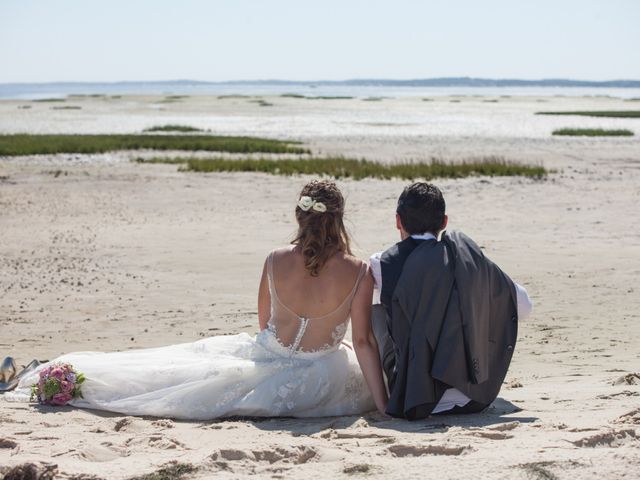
(121, 424)
(417, 451)
(130, 425)
(614, 438)
(157, 440)
(104, 452)
(295, 455)
(503, 427)
(624, 393)
(7, 443)
(489, 435)
(632, 417)
(163, 423)
(165, 443)
(628, 379)
(496, 432)
(333, 434)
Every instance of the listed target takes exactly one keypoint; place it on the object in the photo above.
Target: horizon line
(342, 81)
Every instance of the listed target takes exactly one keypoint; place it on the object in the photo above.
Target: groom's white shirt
(452, 396)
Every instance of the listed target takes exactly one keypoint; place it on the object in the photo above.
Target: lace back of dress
(308, 334)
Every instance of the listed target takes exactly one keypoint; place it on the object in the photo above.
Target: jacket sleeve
(400, 331)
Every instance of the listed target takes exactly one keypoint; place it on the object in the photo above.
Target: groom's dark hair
(421, 208)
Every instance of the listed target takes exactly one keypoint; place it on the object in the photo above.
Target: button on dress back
(301, 333)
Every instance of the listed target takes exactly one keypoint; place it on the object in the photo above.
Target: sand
(100, 253)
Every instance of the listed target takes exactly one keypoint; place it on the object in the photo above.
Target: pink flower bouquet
(59, 383)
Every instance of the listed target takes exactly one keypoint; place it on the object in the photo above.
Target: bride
(297, 365)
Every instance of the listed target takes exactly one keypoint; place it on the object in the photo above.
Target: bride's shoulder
(282, 252)
(353, 262)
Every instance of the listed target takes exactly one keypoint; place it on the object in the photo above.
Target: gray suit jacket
(453, 323)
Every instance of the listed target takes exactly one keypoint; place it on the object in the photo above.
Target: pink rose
(57, 373)
(66, 387)
(61, 398)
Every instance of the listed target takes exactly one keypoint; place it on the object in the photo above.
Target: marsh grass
(599, 113)
(24, 107)
(224, 97)
(49, 100)
(261, 102)
(592, 132)
(172, 128)
(67, 107)
(27, 144)
(320, 97)
(491, 101)
(171, 472)
(373, 99)
(164, 160)
(340, 167)
(330, 97)
(84, 95)
(356, 469)
(427, 99)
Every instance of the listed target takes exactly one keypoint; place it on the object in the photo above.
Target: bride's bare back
(310, 313)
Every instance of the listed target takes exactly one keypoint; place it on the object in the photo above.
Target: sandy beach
(101, 253)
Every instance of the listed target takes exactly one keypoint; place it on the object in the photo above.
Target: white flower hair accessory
(306, 203)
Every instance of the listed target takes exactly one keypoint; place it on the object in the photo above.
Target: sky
(220, 40)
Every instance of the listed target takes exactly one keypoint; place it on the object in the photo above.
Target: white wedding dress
(296, 367)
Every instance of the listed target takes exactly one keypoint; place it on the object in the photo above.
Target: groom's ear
(398, 222)
(444, 222)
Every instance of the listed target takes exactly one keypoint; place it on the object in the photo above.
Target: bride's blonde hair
(321, 234)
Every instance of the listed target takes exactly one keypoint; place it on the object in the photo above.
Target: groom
(445, 316)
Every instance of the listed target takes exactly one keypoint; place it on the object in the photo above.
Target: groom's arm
(525, 304)
(376, 273)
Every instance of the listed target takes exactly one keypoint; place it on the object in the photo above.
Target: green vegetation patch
(329, 97)
(27, 144)
(261, 102)
(49, 100)
(592, 132)
(172, 472)
(173, 98)
(599, 113)
(340, 167)
(67, 107)
(222, 97)
(172, 128)
(85, 95)
(292, 95)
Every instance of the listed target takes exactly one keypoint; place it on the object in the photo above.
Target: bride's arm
(364, 342)
(264, 299)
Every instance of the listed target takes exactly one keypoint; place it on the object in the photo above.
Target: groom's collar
(424, 236)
